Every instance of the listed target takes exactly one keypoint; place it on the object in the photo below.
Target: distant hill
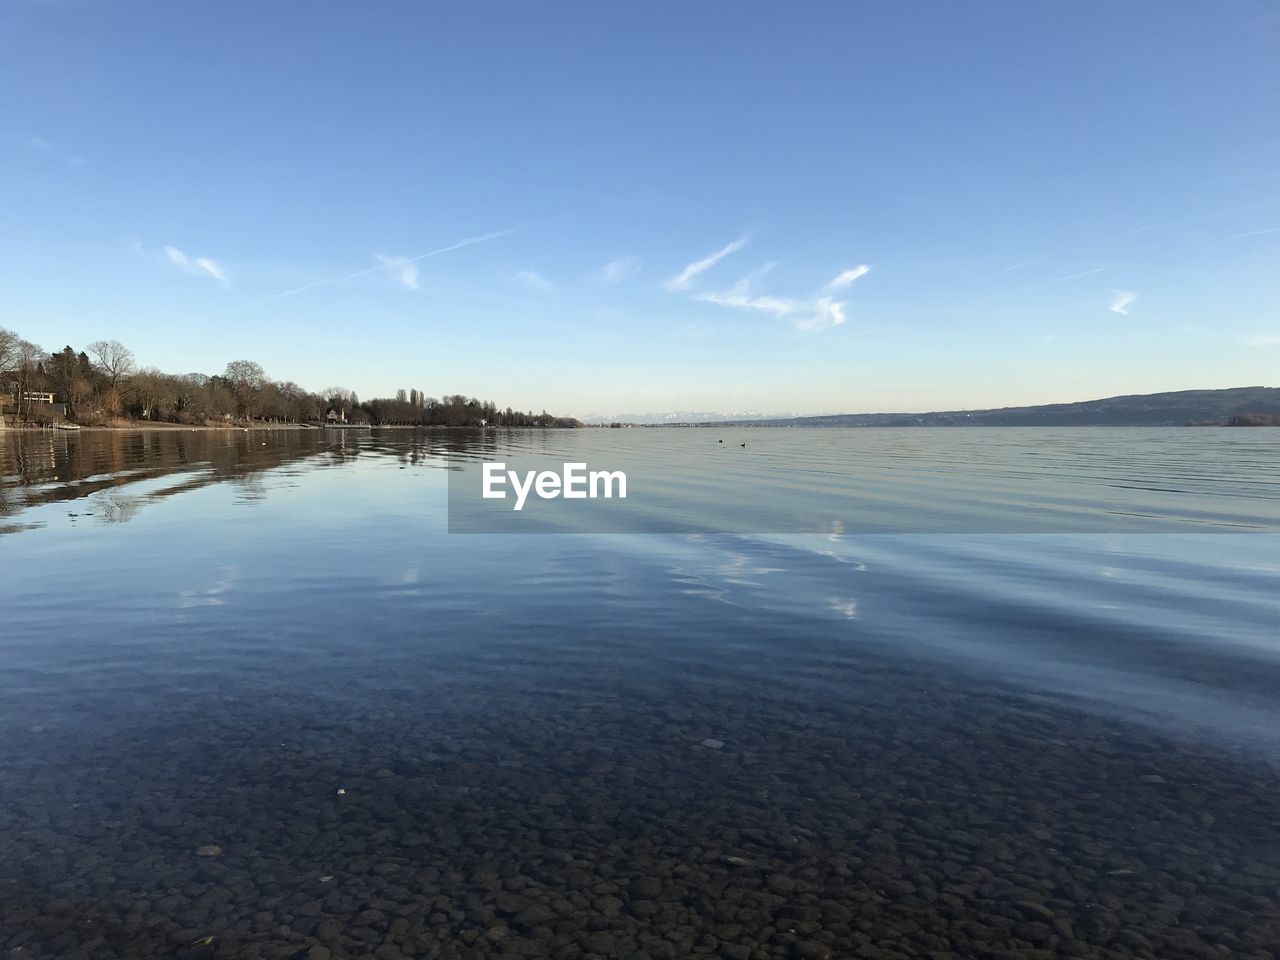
(679, 417)
(1177, 409)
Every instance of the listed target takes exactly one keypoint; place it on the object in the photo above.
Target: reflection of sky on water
(240, 560)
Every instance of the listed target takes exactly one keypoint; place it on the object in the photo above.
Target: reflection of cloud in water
(847, 561)
(697, 585)
(845, 606)
(1175, 632)
(211, 596)
(739, 566)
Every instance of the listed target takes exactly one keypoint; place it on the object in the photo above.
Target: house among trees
(36, 406)
(335, 416)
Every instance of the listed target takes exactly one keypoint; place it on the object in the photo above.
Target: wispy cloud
(684, 280)
(812, 314)
(1073, 276)
(759, 273)
(41, 144)
(1250, 233)
(1264, 340)
(210, 596)
(847, 278)
(819, 313)
(468, 242)
(1017, 266)
(196, 266)
(743, 301)
(624, 268)
(1120, 301)
(534, 281)
(741, 297)
(403, 268)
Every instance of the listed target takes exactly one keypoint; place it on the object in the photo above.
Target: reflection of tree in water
(43, 468)
(39, 468)
(436, 447)
(117, 508)
(252, 488)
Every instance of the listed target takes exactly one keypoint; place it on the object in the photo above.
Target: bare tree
(24, 363)
(247, 381)
(153, 390)
(115, 360)
(8, 350)
(79, 394)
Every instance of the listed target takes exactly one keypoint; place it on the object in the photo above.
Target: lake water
(256, 701)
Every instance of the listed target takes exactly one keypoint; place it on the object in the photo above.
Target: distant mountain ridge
(1174, 409)
(680, 416)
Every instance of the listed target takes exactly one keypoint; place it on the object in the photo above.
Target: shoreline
(247, 428)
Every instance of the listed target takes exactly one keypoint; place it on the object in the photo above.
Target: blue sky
(649, 207)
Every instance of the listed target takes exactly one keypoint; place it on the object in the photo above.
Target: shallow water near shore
(256, 701)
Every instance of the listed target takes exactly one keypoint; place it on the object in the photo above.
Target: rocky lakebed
(920, 816)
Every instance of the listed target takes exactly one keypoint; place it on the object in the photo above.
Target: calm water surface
(256, 701)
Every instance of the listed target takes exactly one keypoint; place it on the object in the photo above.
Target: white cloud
(213, 269)
(624, 268)
(823, 314)
(820, 313)
(402, 268)
(1265, 340)
(744, 301)
(1017, 266)
(1120, 302)
(685, 278)
(534, 281)
(41, 144)
(846, 278)
(811, 314)
(740, 296)
(197, 266)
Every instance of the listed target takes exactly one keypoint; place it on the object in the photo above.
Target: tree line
(104, 383)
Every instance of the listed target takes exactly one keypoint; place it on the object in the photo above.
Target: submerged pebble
(922, 820)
